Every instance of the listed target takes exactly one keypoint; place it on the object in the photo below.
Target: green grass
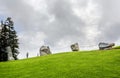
(116, 47)
(90, 64)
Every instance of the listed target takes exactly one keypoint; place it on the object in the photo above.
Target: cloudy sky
(59, 23)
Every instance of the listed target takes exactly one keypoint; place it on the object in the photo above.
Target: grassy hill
(90, 64)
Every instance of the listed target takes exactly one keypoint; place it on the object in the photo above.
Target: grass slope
(92, 64)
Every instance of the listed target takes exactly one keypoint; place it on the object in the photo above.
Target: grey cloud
(109, 24)
(24, 13)
(110, 33)
(66, 24)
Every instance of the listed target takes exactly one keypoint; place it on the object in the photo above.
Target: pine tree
(9, 38)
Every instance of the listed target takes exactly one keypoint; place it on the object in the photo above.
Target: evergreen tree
(9, 38)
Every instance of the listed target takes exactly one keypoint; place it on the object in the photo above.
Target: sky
(60, 23)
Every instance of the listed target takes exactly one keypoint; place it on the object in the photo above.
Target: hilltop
(88, 64)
